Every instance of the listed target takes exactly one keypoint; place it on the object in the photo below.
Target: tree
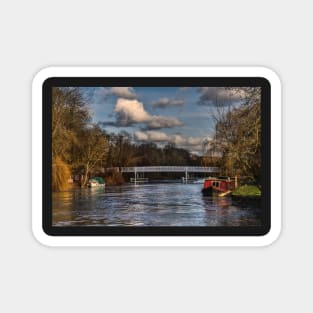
(121, 151)
(238, 135)
(151, 154)
(175, 156)
(92, 151)
(242, 149)
(69, 115)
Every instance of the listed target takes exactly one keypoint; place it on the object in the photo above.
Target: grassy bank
(247, 191)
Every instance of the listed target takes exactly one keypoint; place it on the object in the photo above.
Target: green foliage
(247, 190)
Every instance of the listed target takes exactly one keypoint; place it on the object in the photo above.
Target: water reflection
(149, 205)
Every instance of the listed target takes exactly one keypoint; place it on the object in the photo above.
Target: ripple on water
(148, 205)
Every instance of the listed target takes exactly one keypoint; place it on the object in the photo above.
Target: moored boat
(220, 185)
(96, 182)
(199, 181)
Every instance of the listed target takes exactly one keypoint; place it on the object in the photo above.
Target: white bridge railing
(177, 169)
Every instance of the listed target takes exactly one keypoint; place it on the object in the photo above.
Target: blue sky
(182, 116)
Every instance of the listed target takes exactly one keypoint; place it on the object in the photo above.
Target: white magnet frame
(157, 241)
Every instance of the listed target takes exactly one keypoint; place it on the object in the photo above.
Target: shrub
(60, 175)
(114, 179)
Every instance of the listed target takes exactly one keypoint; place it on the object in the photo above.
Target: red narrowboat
(217, 185)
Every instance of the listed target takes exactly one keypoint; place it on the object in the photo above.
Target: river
(160, 204)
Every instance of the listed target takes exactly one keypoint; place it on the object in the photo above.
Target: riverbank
(247, 191)
(246, 194)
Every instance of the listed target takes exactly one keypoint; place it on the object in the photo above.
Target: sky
(161, 115)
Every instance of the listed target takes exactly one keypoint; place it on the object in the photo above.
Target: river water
(173, 204)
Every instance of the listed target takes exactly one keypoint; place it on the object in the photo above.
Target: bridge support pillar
(135, 175)
(186, 176)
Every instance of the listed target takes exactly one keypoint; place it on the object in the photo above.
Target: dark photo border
(157, 82)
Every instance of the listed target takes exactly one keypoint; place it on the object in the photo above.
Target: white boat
(96, 182)
(199, 181)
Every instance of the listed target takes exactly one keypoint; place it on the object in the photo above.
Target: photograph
(156, 156)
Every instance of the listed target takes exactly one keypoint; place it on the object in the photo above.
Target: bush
(60, 175)
(114, 179)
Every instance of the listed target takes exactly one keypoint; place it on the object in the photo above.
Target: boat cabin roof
(219, 178)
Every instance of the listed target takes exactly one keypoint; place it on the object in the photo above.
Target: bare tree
(93, 151)
(238, 132)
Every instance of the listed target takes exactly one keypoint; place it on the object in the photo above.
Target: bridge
(169, 169)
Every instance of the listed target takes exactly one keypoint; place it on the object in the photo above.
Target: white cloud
(130, 112)
(166, 102)
(151, 135)
(100, 94)
(213, 96)
(123, 92)
(158, 122)
(194, 143)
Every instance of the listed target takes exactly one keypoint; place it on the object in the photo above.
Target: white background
(36, 34)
